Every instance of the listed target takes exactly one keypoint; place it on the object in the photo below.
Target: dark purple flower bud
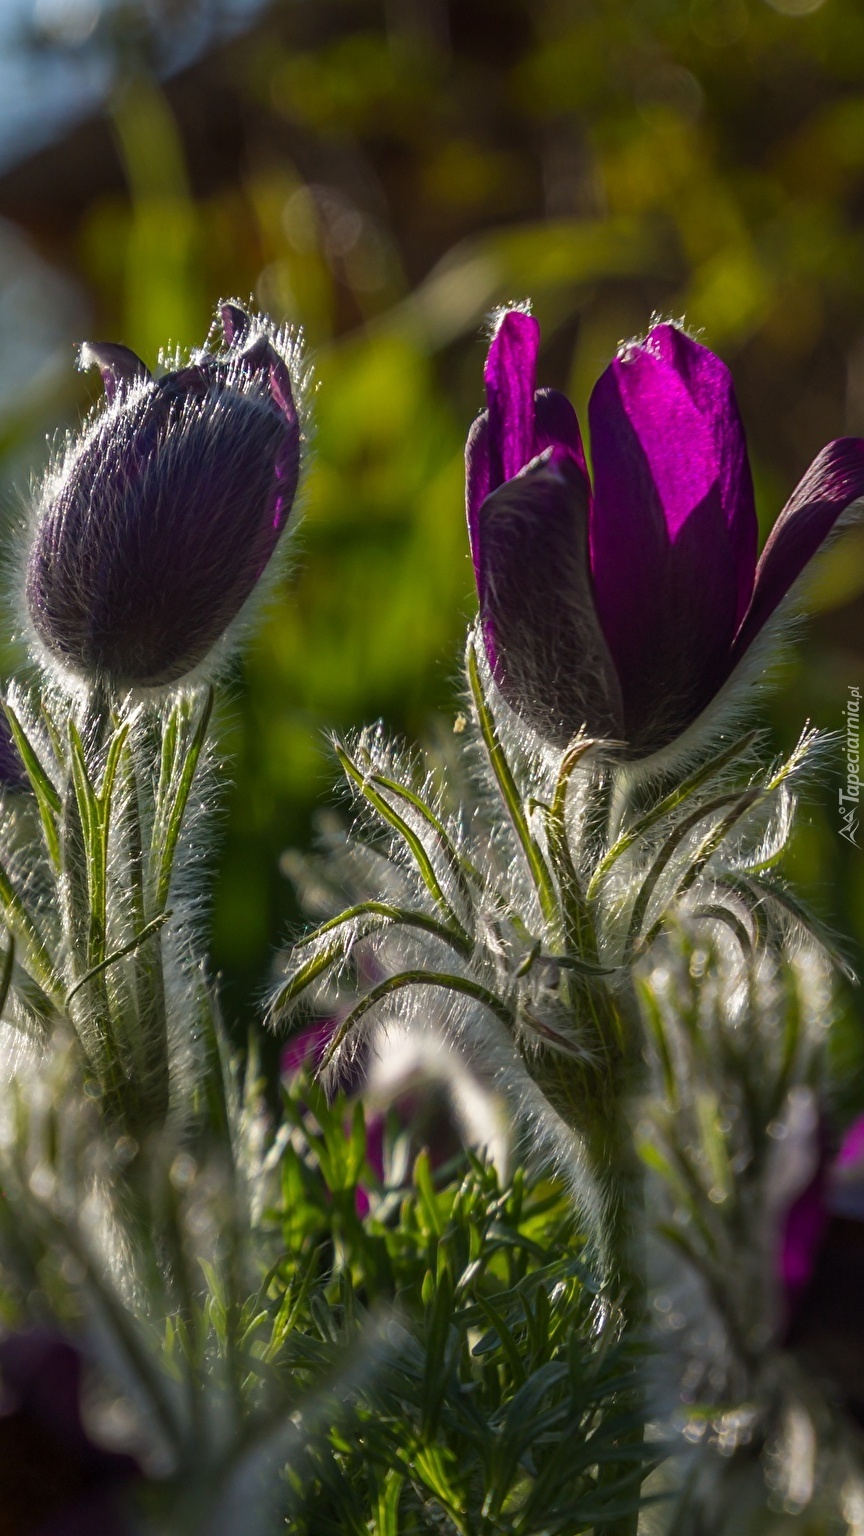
(54, 1481)
(625, 608)
(821, 1272)
(159, 521)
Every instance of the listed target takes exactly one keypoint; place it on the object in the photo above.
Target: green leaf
(303, 977)
(510, 796)
(414, 843)
(774, 892)
(505, 1338)
(34, 951)
(678, 796)
(442, 1345)
(120, 954)
(6, 974)
(389, 1493)
(458, 865)
(740, 803)
(181, 751)
(95, 812)
(653, 1016)
(47, 795)
(579, 933)
(461, 985)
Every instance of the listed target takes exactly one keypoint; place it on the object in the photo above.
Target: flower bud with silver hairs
(157, 524)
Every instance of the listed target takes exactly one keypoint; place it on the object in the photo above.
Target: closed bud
(159, 520)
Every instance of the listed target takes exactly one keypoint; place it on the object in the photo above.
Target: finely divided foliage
(498, 1402)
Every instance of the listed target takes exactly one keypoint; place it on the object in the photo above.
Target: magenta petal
(806, 1225)
(281, 389)
(307, 1049)
(834, 480)
(518, 424)
(42, 1372)
(52, 1475)
(510, 373)
(261, 360)
(543, 641)
(852, 1146)
(501, 440)
(673, 531)
(556, 425)
(826, 1330)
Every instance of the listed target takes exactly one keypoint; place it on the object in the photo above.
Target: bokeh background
(384, 172)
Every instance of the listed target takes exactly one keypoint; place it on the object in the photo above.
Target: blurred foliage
(383, 172)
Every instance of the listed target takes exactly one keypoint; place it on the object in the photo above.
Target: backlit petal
(834, 480)
(510, 375)
(555, 426)
(673, 530)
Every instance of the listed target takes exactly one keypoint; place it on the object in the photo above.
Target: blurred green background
(383, 172)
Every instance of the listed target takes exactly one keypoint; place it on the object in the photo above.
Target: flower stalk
(94, 929)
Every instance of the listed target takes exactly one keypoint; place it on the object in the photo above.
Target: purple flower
(626, 607)
(305, 1052)
(13, 774)
(821, 1271)
(158, 522)
(421, 1100)
(54, 1481)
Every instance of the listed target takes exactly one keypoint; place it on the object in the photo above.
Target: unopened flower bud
(159, 520)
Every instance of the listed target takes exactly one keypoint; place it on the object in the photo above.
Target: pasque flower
(54, 1480)
(625, 607)
(156, 525)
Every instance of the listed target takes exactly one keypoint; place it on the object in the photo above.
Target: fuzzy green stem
(540, 873)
